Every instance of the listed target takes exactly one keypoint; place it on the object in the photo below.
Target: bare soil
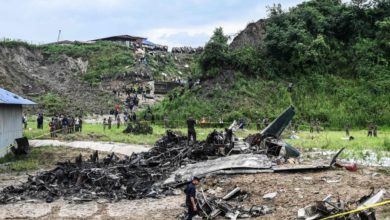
(294, 191)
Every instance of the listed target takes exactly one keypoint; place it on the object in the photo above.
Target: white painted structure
(11, 126)
(11, 114)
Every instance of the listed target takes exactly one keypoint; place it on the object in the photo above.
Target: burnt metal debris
(22, 146)
(133, 177)
(145, 174)
(229, 205)
(138, 128)
(330, 207)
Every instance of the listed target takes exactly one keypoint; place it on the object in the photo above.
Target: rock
(270, 195)
(301, 213)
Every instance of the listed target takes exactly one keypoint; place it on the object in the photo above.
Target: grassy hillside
(105, 59)
(66, 78)
(336, 55)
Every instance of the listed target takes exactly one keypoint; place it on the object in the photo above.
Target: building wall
(10, 125)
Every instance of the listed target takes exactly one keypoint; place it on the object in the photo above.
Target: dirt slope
(28, 73)
(252, 35)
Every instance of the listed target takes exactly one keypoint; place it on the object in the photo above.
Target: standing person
(80, 124)
(370, 130)
(221, 122)
(265, 122)
(375, 130)
(104, 124)
(118, 122)
(70, 124)
(347, 128)
(258, 124)
(241, 124)
(190, 83)
(65, 125)
(133, 117)
(190, 192)
(116, 113)
(317, 124)
(311, 126)
(40, 121)
(53, 127)
(77, 124)
(109, 123)
(24, 121)
(191, 129)
(125, 118)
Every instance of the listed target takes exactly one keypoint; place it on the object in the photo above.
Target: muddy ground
(294, 191)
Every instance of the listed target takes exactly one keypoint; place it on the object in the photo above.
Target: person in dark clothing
(347, 128)
(40, 121)
(241, 124)
(133, 117)
(24, 121)
(81, 124)
(265, 122)
(53, 127)
(191, 129)
(375, 130)
(190, 83)
(370, 130)
(65, 124)
(190, 192)
(290, 87)
(109, 123)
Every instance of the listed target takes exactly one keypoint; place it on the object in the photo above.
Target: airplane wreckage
(169, 164)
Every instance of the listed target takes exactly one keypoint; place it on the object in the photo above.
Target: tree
(215, 54)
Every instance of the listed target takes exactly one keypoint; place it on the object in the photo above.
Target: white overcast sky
(169, 22)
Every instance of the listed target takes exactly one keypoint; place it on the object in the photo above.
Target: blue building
(11, 113)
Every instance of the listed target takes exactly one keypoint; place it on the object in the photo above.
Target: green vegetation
(335, 54)
(11, 43)
(39, 157)
(105, 59)
(331, 140)
(215, 55)
(52, 103)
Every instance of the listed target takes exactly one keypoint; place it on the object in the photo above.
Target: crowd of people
(65, 124)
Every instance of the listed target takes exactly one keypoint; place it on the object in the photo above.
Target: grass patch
(39, 157)
(330, 140)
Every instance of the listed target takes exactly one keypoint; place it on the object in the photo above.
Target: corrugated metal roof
(7, 97)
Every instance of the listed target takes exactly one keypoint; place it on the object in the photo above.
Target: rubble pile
(110, 177)
(330, 208)
(138, 128)
(229, 205)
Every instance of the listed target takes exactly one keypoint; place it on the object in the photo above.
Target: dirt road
(121, 148)
(294, 191)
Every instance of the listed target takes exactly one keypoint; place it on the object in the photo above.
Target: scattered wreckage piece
(112, 178)
(239, 164)
(153, 173)
(22, 146)
(268, 140)
(328, 209)
(138, 128)
(229, 206)
(208, 167)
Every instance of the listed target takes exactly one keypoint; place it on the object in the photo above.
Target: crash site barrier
(357, 210)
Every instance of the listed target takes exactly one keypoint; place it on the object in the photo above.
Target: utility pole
(59, 35)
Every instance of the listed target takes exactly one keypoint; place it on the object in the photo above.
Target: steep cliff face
(252, 35)
(29, 73)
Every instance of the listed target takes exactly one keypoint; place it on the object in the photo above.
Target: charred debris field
(259, 176)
